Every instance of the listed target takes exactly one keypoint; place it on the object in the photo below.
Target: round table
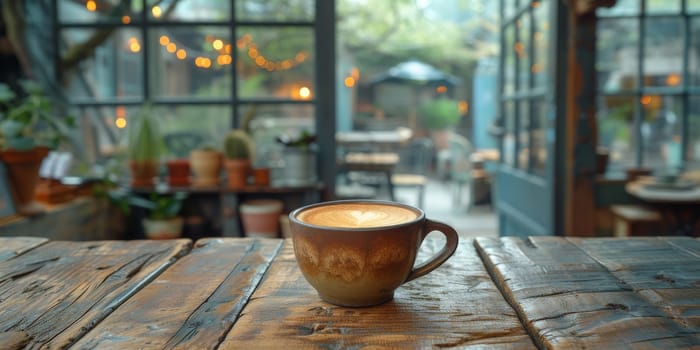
(678, 203)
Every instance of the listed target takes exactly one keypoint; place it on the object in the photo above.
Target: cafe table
(241, 293)
(678, 202)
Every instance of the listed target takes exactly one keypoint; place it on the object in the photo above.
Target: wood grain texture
(455, 306)
(191, 305)
(665, 272)
(12, 247)
(57, 292)
(568, 299)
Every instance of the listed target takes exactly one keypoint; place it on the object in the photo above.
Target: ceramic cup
(357, 252)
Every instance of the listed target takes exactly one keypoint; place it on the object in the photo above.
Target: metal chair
(414, 165)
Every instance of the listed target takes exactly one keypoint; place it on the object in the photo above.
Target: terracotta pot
(260, 217)
(163, 229)
(206, 167)
(23, 170)
(261, 176)
(178, 172)
(237, 171)
(143, 173)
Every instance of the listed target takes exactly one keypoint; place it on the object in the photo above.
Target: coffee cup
(357, 252)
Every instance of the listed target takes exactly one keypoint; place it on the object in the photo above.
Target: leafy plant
(159, 206)
(237, 145)
(439, 114)
(145, 142)
(305, 140)
(28, 122)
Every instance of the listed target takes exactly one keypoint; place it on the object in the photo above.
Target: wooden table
(374, 162)
(237, 293)
(680, 208)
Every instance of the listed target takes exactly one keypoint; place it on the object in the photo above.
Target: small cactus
(237, 145)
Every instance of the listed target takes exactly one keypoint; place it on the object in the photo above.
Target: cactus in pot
(238, 149)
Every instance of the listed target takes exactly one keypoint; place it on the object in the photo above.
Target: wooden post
(581, 131)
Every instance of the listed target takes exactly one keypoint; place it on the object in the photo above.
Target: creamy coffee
(357, 215)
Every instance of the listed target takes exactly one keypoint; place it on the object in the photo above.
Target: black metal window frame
(323, 100)
(684, 91)
(532, 93)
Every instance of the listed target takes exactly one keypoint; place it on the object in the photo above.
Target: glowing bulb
(156, 11)
(181, 54)
(441, 89)
(134, 46)
(126, 19)
(463, 107)
(164, 40)
(120, 123)
(646, 99)
(91, 5)
(217, 44)
(171, 47)
(304, 92)
(349, 82)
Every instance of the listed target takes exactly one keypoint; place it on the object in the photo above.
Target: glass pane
(693, 6)
(541, 39)
(539, 137)
(509, 135)
(522, 51)
(189, 10)
(509, 67)
(694, 52)
(661, 132)
(523, 145)
(617, 61)
(621, 8)
(663, 6)
(663, 52)
(616, 131)
(113, 71)
(193, 62)
(509, 8)
(268, 122)
(275, 10)
(693, 152)
(210, 123)
(276, 63)
(102, 11)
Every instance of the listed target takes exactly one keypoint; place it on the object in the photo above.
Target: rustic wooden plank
(58, 291)
(455, 306)
(664, 271)
(11, 247)
(191, 305)
(567, 299)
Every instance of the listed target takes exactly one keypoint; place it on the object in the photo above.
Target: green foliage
(145, 142)
(304, 141)
(159, 206)
(439, 114)
(237, 145)
(29, 121)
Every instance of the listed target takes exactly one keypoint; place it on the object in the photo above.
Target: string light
(91, 5)
(224, 56)
(156, 11)
(126, 19)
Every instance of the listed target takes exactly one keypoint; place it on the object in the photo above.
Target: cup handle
(445, 253)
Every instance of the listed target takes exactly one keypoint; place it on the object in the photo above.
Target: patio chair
(414, 166)
(460, 166)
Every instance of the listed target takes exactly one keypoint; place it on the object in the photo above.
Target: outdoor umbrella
(415, 72)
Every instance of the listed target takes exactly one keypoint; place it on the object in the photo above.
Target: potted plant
(144, 149)
(162, 220)
(299, 158)
(438, 117)
(179, 145)
(28, 129)
(205, 163)
(237, 150)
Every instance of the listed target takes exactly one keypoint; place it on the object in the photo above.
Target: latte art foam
(357, 215)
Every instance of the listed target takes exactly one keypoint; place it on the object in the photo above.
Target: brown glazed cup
(362, 266)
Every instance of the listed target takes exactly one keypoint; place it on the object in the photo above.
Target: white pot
(163, 229)
(261, 217)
